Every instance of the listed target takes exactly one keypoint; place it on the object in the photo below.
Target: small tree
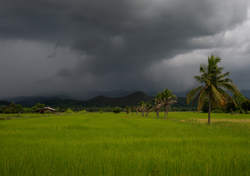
(246, 105)
(116, 110)
(127, 109)
(230, 107)
(205, 106)
(132, 109)
(157, 102)
(69, 110)
(38, 106)
(239, 98)
(142, 108)
(166, 100)
(148, 108)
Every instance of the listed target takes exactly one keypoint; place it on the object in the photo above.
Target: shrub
(246, 105)
(116, 110)
(205, 106)
(218, 111)
(69, 110)
(241, 111)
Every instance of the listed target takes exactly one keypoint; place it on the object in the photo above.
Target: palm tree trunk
(209, 108)
(165, 112)
(147, 114)
(157, 113)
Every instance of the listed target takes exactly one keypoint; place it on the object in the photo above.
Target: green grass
(109, 144)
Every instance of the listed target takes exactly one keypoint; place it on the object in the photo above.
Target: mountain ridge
(101, 101)
(32, 100)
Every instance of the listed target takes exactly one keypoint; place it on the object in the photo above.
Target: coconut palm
(214, 83)
(142, 107)
(157, 101)
(138, 108)
(166, 99)
(148, 108)
(127, 109)
(132, 109)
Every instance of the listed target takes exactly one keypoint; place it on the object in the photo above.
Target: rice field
(125, 144)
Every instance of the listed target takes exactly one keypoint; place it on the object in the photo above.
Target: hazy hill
(111, 94)
(246, 93)
(102, 101)
(32, 100)
(5, 103)
(101, 98)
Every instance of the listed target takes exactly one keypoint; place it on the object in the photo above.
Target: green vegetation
(69, 111)
(125, 144)
(246, 105)
(17, 108)
(116, 110)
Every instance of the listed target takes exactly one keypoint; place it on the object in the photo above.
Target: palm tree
(132, 109)
(214, 83)
(148, 108)
(142, 107)
(138, 108)
(166, 100)
(157, 101)
(127, 109)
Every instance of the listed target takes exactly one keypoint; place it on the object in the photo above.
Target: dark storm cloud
(120, 37)
(64, 72)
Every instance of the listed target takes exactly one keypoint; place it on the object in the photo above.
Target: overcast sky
(57, 46)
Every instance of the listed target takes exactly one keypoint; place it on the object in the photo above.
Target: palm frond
(198, 96)
(217, 97)
(201, 100)
(229, 86)
(172, 102)
(200, 79)
(190, 95)
(226, 95)
(223, 75)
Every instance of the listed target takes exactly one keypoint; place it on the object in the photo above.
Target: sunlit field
(125, 144)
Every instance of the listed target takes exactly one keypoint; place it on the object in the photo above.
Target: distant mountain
(32, 100)
(5, 103)
(246, 93)
(102, 98)
(178, 94)
(112, 94)
(102, 101)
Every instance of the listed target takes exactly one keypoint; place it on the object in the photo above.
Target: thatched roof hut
(46, 109)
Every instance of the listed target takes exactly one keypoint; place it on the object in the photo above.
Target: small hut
(46, 109)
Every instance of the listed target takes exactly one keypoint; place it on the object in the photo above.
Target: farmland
(125, 144)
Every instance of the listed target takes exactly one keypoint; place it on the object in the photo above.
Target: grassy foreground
(121, 144)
